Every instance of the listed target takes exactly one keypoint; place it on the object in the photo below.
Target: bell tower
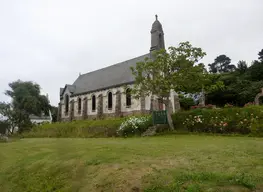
(157, 36)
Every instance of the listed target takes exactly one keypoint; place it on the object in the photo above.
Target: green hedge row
(81, 128)
(247, 120)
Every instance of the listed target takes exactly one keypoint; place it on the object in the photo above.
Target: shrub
(249, 104)
(228, 105)
(209, 106)
(186, 102)
(134, 125)
(80, 128)
(226, 120)
(257, 128)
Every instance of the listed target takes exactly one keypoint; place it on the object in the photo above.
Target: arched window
(128, 97)
(93, 103)
(66, 103)
(110, 100)
(79, 105)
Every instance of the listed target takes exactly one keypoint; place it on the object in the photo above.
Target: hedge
(247, 120)
(81, 128)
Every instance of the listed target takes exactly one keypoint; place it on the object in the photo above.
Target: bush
(80, 128)
(3, 127)
(257, 129)
(134, 125)
(209, 106)
(186, 103)
(226, 120)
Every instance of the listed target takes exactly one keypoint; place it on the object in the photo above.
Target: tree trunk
(169, 113)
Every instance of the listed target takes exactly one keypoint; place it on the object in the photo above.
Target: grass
(166, 163)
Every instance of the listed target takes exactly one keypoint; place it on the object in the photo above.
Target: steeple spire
(157, 35)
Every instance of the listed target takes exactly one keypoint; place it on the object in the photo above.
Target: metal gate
(159, 117)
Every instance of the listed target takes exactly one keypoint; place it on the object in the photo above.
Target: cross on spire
(156, 16)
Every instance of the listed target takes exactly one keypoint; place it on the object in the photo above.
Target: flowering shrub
(209, 106)
(228, 105)
(249, 104)
(226, 120)
(134, 125)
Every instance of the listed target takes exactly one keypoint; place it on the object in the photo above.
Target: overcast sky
(51, 41)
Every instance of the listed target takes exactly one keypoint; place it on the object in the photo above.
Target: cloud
(51, 41)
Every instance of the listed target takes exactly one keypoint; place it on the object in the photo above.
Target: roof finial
(156, 16)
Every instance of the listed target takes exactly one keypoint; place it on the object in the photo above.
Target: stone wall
(119, 108)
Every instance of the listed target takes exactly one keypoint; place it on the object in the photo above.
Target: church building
(107, 91)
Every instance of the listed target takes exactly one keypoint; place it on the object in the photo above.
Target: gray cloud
(51, 41)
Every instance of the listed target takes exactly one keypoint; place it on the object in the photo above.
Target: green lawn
(164, 163)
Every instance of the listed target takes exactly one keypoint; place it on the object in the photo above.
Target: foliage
(80, 128)
(26, 100)
(176, 69)
(257, 128)
(240, 87)
(14, 117)
(3, 126)
(134, 125)
(186, 102)
(260, 56)
(226, 120)
(26, 97)
(228, 105)
(221, 65)
(208, 106)
(255, 71)
(54, 113)
(213, 83)
(242, 67)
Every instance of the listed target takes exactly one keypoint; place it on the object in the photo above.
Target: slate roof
(114, 75)
(71, 89)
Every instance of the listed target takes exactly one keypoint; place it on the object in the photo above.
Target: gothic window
(79, 105)
(93, 103)
(110, 100)
(66, 104)
(128, 97)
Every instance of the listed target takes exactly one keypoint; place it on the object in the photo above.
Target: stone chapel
(107, 91)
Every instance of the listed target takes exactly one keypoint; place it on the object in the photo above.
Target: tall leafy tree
(26, 100)
(14, 118)
(255, 71)
(176, 69)
(260, 56)
(221, 64)
(242, 67)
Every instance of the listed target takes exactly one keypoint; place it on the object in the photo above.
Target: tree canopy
(241, 86)
(221, 64)
(260, 56)
(26, 100)
(176, 69)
